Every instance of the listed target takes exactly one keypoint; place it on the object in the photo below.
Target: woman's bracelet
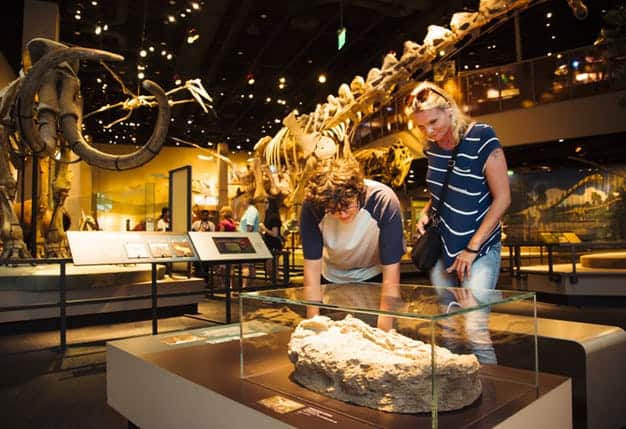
(467, 249)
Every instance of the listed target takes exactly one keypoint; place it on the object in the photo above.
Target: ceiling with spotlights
(259, 60)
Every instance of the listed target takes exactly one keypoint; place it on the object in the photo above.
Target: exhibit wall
(590, 202)
(121, 200)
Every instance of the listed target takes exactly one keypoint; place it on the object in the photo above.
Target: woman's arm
(424, 218)
(274, 231)
(498, 182)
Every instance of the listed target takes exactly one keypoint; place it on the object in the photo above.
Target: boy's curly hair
(335, 184)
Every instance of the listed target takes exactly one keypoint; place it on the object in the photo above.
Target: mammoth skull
(53, 78)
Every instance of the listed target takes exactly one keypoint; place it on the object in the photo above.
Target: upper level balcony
(553, 78)
(565, 95)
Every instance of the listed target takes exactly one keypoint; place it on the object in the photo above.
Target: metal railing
(557, 77)
(561, 76)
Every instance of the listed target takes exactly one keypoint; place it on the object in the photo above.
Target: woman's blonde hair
(426, 95)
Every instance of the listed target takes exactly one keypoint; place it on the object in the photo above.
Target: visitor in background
(203, 224)
(227, 223)
(351, 231)
(270, 228)
(249, 222)
(163, 222)
(478, 195)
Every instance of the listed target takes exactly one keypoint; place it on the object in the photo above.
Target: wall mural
(590, 202)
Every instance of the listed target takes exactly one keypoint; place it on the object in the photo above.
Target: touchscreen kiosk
(229, 246)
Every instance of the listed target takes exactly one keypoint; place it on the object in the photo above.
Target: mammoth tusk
(93, 156)
(32, 82)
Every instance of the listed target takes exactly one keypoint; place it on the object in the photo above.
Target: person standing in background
(227, 224)
(203, 224)
(270, 229)
(249, 222)
(163, 222)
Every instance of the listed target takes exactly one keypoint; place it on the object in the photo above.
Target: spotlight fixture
(192, 36)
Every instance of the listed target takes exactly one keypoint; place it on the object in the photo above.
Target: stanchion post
(155, 327)
(274, 267)
(511, 261)
(62, 308)
(518, 262)
(228, 297)
(550, 261)
(574, 276)
(286, 268)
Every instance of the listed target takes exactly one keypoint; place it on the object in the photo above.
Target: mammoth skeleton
(329, 130)
(41, 115)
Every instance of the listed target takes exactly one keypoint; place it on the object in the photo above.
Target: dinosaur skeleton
(194, 86)
(328, 131)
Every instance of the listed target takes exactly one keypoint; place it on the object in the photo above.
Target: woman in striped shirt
(478, 194)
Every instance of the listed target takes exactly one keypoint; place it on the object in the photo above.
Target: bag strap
(444, 188)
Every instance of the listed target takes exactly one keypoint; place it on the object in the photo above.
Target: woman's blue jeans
(482, 280)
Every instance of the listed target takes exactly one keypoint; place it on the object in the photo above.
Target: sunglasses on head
(422, 95)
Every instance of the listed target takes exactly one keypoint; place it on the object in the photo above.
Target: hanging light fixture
(341, 31)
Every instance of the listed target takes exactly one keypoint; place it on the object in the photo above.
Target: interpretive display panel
(559, 238)
(229, 246)
(103, 247)
(405, 349)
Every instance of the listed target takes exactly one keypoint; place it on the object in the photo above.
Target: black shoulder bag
(427, 248)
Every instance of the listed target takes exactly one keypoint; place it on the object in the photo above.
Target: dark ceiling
(267, 40)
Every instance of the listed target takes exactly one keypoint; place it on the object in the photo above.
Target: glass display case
(395, 356)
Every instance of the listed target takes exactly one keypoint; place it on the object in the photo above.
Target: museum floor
(42, 388)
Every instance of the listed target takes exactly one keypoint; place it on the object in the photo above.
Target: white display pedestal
(197, 385)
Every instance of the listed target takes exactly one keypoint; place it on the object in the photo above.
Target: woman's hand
(463, 264)
(421, 224)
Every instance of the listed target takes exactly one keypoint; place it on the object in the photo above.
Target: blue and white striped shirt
(468, 198)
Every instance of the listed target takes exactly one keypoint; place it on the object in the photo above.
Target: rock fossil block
(353, 362)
